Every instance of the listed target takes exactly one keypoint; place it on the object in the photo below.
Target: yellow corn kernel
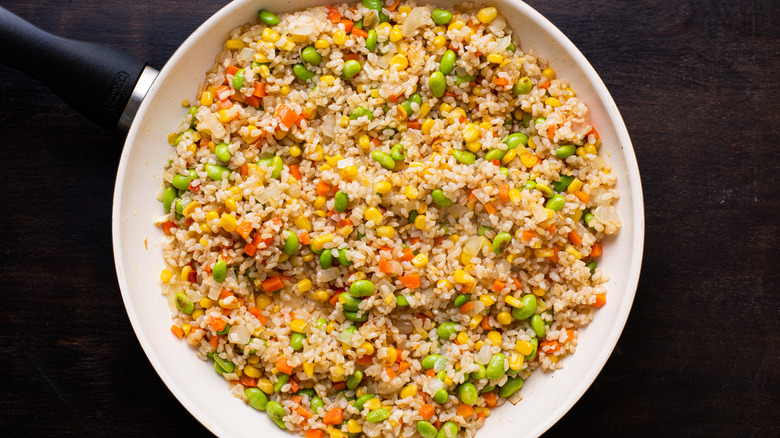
(196, 314)
(264, 71)
(554, 359)
(580, 151)
(577, 215)
(462, 277)
(319, 242)
(265, 385)
(494, 337)
(396, 34)
(252, 372)
(253, 360)
(334, 433)
(359, 275)
(510, 258)
(373, 214)
(308, 257)
(284, 90)
(224, 117)
(553, 102)
(262, 301)
(320, 295)
(303, 223)
(573, 252)
(392, 355)
(353, 426)
(504, 318)
(373, 404)
(320, 201)
(334, 160)
(479, 344)
(308, 368)
(515, 196)
(295, 151)
(339, 37)
(420, 260)
(364, 141)
(206, 303)
(515, 361)
(227, 222)
(230, 204)
(523, 347)
(304, 285)
(538, 291)
(234, 44)
(574, 186)
(298, 325)
(569, 93)
(321, 44)
(444, 284)
(425, 108)
(298, 38)
(270, 36)
(385, 232)
(462, 338)
(368, 347)
(475, 322)
(349, 172)
(400, 113)
(513, 302)
(488, 300)
(383, 29)
(207, 97)
(544, 252)
(509, 156)
(482, 410)
(186, 328)
(235, 192)
(495, 58)
(445, 107)
(419, 222)
(185, 272)
(411, 192)
(474, 146)
(166, 276)
(548, 73)
(409, 391)
(337, 373)
(261, 58)
(485, 124)
(405, 9)
(455, 25)
(439, 41)
(321, 213)
(590, 149)
(427, 126)
(548, 211)
(486, 15)
(400, 62)
(470, 133)
(528, 159)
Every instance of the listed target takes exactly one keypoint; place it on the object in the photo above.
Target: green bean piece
(449, 429)
(447, 63)
(371, 40)
(217, 172)
(383, 159)
(563, 184)
(268, 18)
(464, 157)
(495, 154)
(349, 303)
(397, 152)
(316, 403)
(441, 396)
(538, 325)
(226, 365)
(326, 259)
(516, 139)
(504, 171)
(291, 244)
(222, 151)
(181, 182)
(238, 79)
(342, 257)
(556, 202)
(401, 301)
(592, 267)
(447, 329)
(438, 83)
(296, 340)
(256, 398)
(282, 380)
(487, 388)
(565, 151)
(468, 393)
(358, 404)
(480, 374)
(432, 360)
(311, 55)
(362, 288)
(440, 199)
(354, 380)
(183, 303)
(168, 197)
(303, 73)
(373, 4)
(351, 69)
(528, 309)
(426, 429)
(501, 242)
(277, 166)
(378, 415)
(522, 86)
(341, 201)
(219, 271)
(441, 17)
(361, 112)
(496, 368)
(461, 300)
(466, 78)
(512, 385)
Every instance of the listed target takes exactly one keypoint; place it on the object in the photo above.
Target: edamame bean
(373, 4)
(225, 330)
(291, 244)
(265, 160)
(512, 385)
(483, 230)
(256, 398)
(480, 373)
(464, 157)
(383, 159)
(447, 63)
(277, 165)
(528, 309)
(222, 151)
(362, 288)
(371, 40)
(309, 392)
(530, 184)
(361, 112)
(219, 271)
(296, 340)
(487, 388)
(510, 47)
(588, 218)
(565, 151)
(540, 120)
(468, 393)
(441, 396)
(447, 330)
(378, 415)
(274, 410)
(181, 182)
(449, 429)
(496, 367)
(461, 300)
(440, 199)
(238, 79)
(342, 257)
(279, 423)
(527, 120)
(303, 73)
(563, 184)
(341, 201)
(441, 375)
(556, 203)
(351, 69)
(592, 267)
(326, 259)
(535, 344)
(495, 154)
(501, 242)
(432, 360)
(225, 365)
(362, 400)
(349, 303)
(168, 197)
(401, 301)
(538, 325)
(516, 139)
(413, 215)
(311, 55)
(397, 152)
(438, 83)
(426, 429)
(461, 79)
(282, 380)
(522, 86)
(321, 322)
(183, 303)
(316, 403)
(504, 171)
(407, 106)
(354, 380)
(217, 172)
(441, 17)
(268, 18)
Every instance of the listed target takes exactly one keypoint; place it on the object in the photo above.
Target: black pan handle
(97, 81)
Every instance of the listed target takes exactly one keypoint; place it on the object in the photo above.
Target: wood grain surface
(698, 84)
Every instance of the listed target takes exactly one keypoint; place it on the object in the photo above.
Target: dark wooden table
(698, 83)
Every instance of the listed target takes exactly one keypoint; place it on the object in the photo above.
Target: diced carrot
(253, 101)
(276, 220)
(294, 387)
(596, 250)
(177, 331)
(192, 277)
(430, 373)
(351, 57)
(392, 7)
(485, 323)
(517, 283)
(496, 162)
(214, 341)
(551, 229)
(414, 240)
(449, 93)
(244, 229)
(225, 103)
(403, 366)
(575, 238)
(551, 132)
(259, 90)
(359, 32)
(314, 433)
(490, 399)
(273, 284)
(224, 293)
(426, 411)
(167, 226)
(227, 312)
(344, 222)
(554, 257)
(231, 70)
(601, 300)
(503, 192)
(481, 415)
(338, 386)
(222, 92)
(437, 424)
(304, 237)
(489, 208)
(295, 171)
(501, 82)
(582, 196)
(333, 416)
(394, 98)
(375, 141)
(334, 299)
(287, 115)
(549, 347)
(283, 367)
(406, 255)
(594, 133)
(334, 15)
(498, 285)
(528, 235)
(348, 25)
(466, 308)
(247, 381)
(390, 373)
(332, 213)
(385, 266)
(366, 359)
(217, 324)
(545, 85)
(569, 334)
(323, 188)
(303, 412)
(250, 249)
(464, 411)
(472, 197)
(257, 313)
(412, 281)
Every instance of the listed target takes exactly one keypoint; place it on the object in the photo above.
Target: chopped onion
(247, 55)
(328, 275)
(271, 192)
(328, 126)
(483, 356)
(238, 334)
(606, 215)
(472, 246)
(415, 19)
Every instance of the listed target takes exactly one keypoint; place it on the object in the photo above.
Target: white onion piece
(238, 334)
(414, 20)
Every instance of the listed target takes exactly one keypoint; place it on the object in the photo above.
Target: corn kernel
(548, 73)
(405, 9)
(303, 223)
(474, 146)
(400, 62)
(574, 186)
(482, 410)
(455, 25)
(304, 285)
(264, 71)
(349, 172)
(321, 44)
(494, 337)
(504, 318)
(185, 272)
(392, 355)
(462, 338)
(470, 133)
(166, 276)
(553, 102)
(420, 260)
(515, 196)
(590, 149)
(227, 222)
(265, 385)
(353, 426)
(396, 34)
(573, 252)
(368, 347)
(359, 275)
(320, 201)
(419, 222)
(538, 291)
(409, 391)
(319, 242)
(528, 159)
(509, 156)
(488, 300)
(284, 90)
(444, 284)
(445, 107)
(339, 37)
(373, 214)
(334, 433)
(495, 58)
(298, 325)
(523, 347)
(462, 277)
(486, 15)
(373, 404)
(230, 204)
(427, 126)
(270, 36)
(364, 141)
(207, 97)
(411, 192)
(515, 361)
(320, 295)
(385, 231)
(479, 344)
(321, 213)
(513, 302)
(234, 44)
(206, 303)
(252, 372)
(262, 301)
